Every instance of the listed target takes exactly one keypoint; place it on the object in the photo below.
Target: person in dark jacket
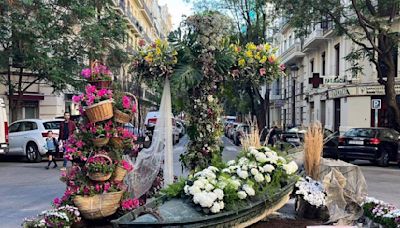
(67, 128)
(272, 134)
(52, 149)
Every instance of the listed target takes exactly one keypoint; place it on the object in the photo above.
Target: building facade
(145, 19)
(319, 85)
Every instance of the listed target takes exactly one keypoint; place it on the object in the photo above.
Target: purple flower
(86, 73)
(77, 99)
(90, 89)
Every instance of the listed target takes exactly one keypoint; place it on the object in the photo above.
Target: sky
(177, 8)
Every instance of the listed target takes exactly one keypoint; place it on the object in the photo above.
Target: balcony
(119, 5)
(133, 22)
(328, 29)
(292, 54)
(314, 39)
(147, 13)
(147, 37)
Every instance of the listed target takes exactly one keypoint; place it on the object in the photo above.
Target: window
(52, 125)
(14, 127)
(361, 132)
(323, 63)
(337, 58)
(290, 40)
(312, 66)
(28, 126)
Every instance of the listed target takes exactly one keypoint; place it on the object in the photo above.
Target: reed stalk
(313, 146)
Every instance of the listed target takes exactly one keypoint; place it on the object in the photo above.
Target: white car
(3, 128)
(28, 137)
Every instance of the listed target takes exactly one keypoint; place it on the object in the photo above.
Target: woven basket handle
(94, 64)
(134, 101)
(104, 156)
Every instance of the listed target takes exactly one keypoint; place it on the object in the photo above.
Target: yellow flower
(175, 60)
(249, 54)
(257, 56)
(273, 57)
(263, 59)
(267, 47)
(148, 59)
(241, 62)
(174, 52)
(251, 46)
(158, 42)
(158, 51)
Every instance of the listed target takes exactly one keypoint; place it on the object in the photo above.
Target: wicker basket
(99, 142)
(100, 111)
(119, 174)
(117, 142)
(98, 206)
(121, 117)
(100, 176)
(101, 84)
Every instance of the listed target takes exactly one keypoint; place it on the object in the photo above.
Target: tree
(47, 42)
(372, 25)
(251, 19)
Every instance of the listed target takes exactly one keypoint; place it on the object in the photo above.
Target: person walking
(67, 128)
(52, 149)
(272, 135)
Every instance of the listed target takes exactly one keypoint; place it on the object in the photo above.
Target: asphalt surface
(27, 189)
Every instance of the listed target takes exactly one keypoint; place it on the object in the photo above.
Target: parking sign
(376, 103)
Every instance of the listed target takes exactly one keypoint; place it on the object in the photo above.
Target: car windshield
(54, 125)
(297, 130)
(361, 132)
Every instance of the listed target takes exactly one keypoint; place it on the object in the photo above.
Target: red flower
(142, 43)
(126, 102)
(262, 71)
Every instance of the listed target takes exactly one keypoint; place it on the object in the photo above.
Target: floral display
(124, 103)
(126, 165)
(92, 96)
(311, 191)
(155, 60)
(257, 63)
(99, 165)
(129, 204)
(63, 216)
(381, 212)
(99, 72)
(257, 171)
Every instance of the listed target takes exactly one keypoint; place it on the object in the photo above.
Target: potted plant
(97, 103)
(123, 138)
(98, 75)
(99, 167)
(124, 107)
(101, 132)
(64, 216)
(122, 168)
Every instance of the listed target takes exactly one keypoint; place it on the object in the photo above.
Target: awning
(29, 97)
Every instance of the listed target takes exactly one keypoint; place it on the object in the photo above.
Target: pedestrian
(67, 129)
(272, 135)
(52, 149)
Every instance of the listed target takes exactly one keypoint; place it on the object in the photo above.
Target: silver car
(28, 137)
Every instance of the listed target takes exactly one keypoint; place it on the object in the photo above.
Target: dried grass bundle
(253, 138)
(313, 146)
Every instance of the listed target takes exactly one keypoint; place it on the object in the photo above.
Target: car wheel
(383, 160)
(32, 153)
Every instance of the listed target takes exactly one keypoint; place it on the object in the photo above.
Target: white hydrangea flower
(198, 183)
(282, 159)
(267, 178)
(236, 183)
(290, 168)
(226, 170)
(221, 205)
(259, 178)
(268, 168)
(242, 195)
(215, 208)
(186, 189)
(253, 151)
(243, 161)
(249, 190)
(260, 169)
(219, 193)
(242, 174)
(231, 163)
(261, 157)
(213, 168)
(194, 190)
(254, 171)
(267, 149)
(233, 168)
(209, 187)
(245, 167)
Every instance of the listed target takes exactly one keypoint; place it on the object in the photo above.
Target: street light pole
(294, 68)
(10, 88)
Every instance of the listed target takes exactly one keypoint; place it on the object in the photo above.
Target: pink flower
(57, 202)
(80, 144)
(130, 204)
(86, 73)
(102, 92)
(142, 43)
(134, 108)
(262, 71)
(107, 186)
(282, 67)
(86, 190)
(90, 89)
(126, 165)
(126, 102)
(98, 188)
(90, 99)
(77, 99)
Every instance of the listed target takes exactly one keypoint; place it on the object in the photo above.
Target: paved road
(27, 189)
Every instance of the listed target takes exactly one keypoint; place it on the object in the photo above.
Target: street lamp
(294, 68)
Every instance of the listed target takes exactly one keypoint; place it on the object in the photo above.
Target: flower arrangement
(74, 149)
(257, 63)
(129, 204)
(92, 96)
(99, 72)
(155, 60)
(99, 164)
(99, 130)
(125, 104)
(126, 165)
(255, 172)
(381, 212)
(311, 191)
(64, 216)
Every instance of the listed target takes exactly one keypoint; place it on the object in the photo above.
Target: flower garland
(256, 172)
(311, 191)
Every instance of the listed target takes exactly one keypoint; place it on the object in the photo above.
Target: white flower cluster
(311, 191)
(66, 215)
(383, 209)
(205, 191)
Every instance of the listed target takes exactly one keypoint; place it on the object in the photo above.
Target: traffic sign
(376, 103)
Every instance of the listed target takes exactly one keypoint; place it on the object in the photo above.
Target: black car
(378, 145)
(331, 143)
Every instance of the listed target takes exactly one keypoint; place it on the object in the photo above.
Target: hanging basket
(121, 117)
(119, 174)
(100, 111)
(103, 84)
(99, 142)
(98, 206)
(100, 176)
(117, 142)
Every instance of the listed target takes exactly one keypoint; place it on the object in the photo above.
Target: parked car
(150, 123)
(378, 145)
(294, 136)
(264, 134)
(331, 143)
(181, 128)
(231, 130)
(240, 132)
(3, 128)
(28, 137)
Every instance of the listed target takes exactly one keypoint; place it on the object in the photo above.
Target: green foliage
(175, 189)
